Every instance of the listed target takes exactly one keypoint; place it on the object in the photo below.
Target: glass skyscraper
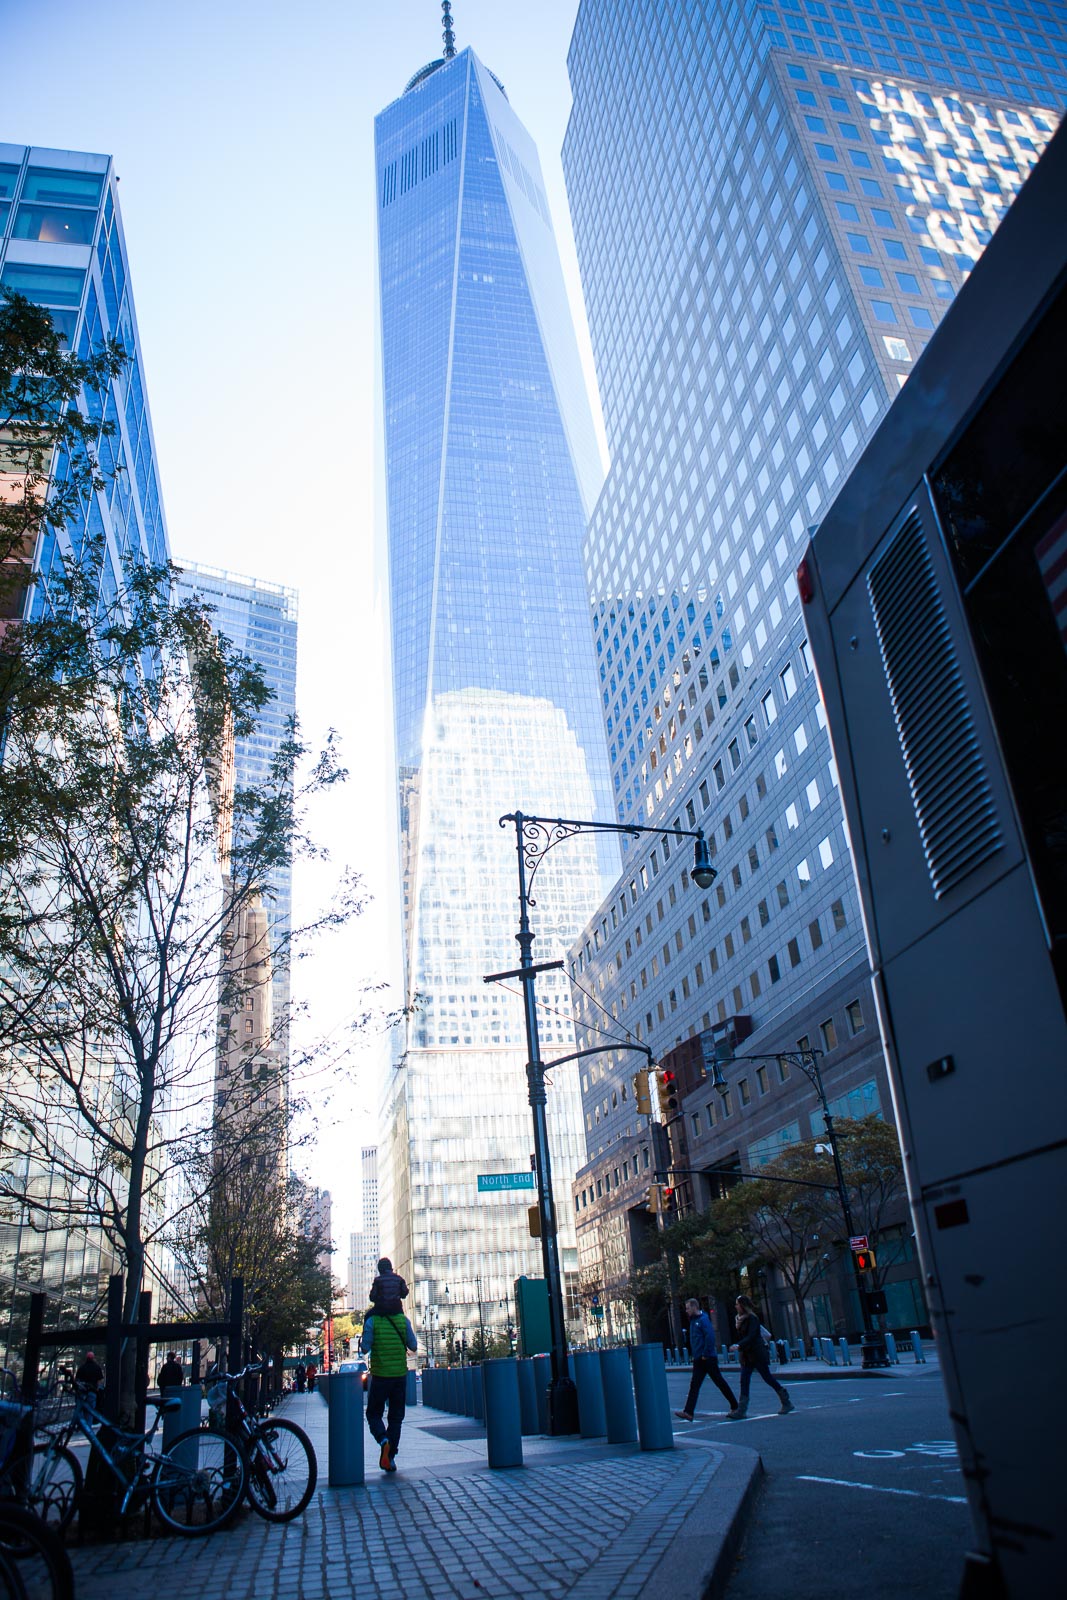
(261, 621)
(62, 246)
(491, 472)
(773, 205)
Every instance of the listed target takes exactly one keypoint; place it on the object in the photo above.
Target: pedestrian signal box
(533, 1217)
(642, 1097)
(655, 1198)
(864, 1260)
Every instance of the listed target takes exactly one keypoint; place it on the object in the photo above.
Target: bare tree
(116, 927)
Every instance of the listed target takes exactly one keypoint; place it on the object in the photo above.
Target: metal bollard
(542, 1366)
(467, 1394)
(175, 1422)
(891, 1350)
(650, 1391)
(846, 1353)
(411, 1394)
(590, 1386)
(345, 1430)
(503, 1412)
(528, 1411)
(917, 1346)
(477, 1393)
(619, 1413)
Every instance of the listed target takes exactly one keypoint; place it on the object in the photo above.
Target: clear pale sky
(242, 134)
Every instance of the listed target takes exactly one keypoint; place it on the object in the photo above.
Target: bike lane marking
(877, 1488)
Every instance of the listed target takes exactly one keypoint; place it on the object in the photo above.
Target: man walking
(705, 1360)
(386, 1341)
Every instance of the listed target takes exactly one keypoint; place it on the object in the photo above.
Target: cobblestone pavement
(580, 1519)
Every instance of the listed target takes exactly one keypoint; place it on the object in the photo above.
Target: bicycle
(33, 1562)
(282, 1467)
(195, 1486)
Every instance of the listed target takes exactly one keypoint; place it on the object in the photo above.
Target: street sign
(490, 1182)
(857, 1243)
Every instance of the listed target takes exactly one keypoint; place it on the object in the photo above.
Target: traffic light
(533, 1218)
(655, 1198)
(641, 1093)
(670, 1200)
(667, 1092)
(864, 1260)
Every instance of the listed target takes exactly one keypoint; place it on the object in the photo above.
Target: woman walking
(754, 1358)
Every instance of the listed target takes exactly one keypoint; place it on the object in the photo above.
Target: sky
(243, 138)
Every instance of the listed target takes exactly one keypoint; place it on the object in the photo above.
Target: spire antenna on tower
(448, 35)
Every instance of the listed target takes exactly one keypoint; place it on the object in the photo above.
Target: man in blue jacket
(705, 1360)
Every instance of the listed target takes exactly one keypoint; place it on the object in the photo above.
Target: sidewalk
(581, 1519)
(790, 1371)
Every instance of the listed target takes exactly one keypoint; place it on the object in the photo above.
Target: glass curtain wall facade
(772, 209)
(491, 471)
(261, 620)
(62, 245)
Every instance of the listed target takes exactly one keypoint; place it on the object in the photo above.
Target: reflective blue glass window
(49, 286)
(894, 250)
(825, 152)
(63, 188)
(55, 224)
(931, 257)
(4, 209)
(872, 277)
(872, 187)
(920, 316)
(837, 180)
(859, 243)
(859, 158)
(9, 176)
(882, 218)
(883, 311)
(908, 282)
(847, 211)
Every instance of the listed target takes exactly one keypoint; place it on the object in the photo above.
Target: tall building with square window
(491, 473)
(772, 205)
(260, 619)
(62, 246)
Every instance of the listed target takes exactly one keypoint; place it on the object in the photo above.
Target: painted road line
(878, 1488)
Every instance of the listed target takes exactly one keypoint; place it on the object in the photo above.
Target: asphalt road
(862, 1495)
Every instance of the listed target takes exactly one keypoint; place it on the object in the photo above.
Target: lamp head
(704, 873)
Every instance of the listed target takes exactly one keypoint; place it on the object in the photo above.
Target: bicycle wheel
(11, 1584)
(200, 1481)
(35, 1564)
(54, 1484)
(282, 1469)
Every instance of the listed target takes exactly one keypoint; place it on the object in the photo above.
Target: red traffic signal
(864, 1260)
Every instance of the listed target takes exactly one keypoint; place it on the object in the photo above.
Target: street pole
(563, 1396)
(534, 837)
(872, 1344)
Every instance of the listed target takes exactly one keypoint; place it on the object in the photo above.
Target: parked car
(356, 1366)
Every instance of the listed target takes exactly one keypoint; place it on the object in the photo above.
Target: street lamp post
(534, 838)
(872, 1343)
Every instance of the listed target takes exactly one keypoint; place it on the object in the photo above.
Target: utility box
(531, 1307)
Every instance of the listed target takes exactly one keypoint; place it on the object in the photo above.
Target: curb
(705, 1547)
(721, 1572)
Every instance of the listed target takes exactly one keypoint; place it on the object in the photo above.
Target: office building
(62, 246)
(772, 207)
(365, 1247)
(491, 472)
(260, 620)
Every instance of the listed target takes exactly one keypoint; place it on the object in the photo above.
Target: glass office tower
(261, 620)
(773, 205)
(491, 471)
(62, 245)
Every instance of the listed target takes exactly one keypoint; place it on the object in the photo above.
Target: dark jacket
(702, 1338)
(750, 1347)
(387, 1286)
(91, 1373)
(170, 1375)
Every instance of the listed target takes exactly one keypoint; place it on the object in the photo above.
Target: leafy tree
(874, 1176)
(114, 927)
(786, 1217)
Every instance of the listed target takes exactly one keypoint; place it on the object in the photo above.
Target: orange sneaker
(385, 1457)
